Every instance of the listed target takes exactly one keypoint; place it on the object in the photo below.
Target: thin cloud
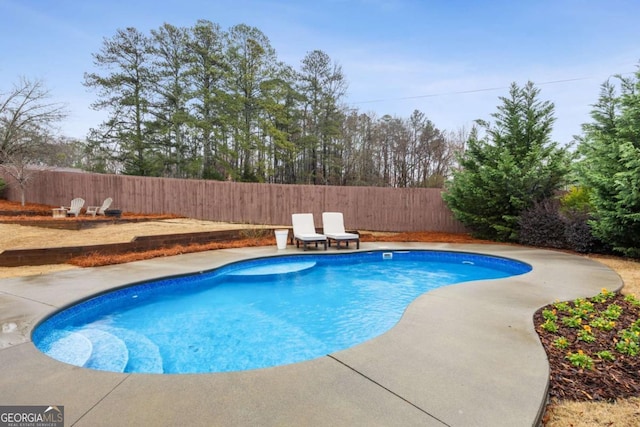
(42, 20)
(451, 61)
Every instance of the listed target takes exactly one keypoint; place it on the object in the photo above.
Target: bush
(579, 236)
(543, 225)
(551, 224)
(3, 185)
(576, 201)
(576, 207)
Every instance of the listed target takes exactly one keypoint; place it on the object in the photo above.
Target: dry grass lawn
(13, 236)
(624, 413)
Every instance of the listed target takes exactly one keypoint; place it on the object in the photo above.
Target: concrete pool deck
(462, 355)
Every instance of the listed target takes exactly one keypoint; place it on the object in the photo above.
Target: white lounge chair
(304, 231)
(333, 228)
(75, 208)
(99, 210)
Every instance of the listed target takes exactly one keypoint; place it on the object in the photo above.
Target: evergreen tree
(514, 166)
(207, 70)
(125, 91)
(610, 165)
(323, 85)
(281, 124)
(172, 93)
(252, 62)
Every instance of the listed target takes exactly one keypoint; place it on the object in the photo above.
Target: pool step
(105, 348)
(262, 272)
(144, 354)
(109, 352)
(69, 347)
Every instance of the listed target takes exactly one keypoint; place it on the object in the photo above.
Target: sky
(450, 59)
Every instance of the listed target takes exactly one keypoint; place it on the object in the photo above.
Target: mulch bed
(5, 212)
(8, 207)
(41, 216)
(422, 236)
(608, 380)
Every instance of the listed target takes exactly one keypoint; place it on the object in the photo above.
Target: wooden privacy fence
(364, 208)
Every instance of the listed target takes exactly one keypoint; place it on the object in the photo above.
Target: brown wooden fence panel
(364, 208)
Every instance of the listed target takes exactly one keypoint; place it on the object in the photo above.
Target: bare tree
(27, 120)
(16, 165)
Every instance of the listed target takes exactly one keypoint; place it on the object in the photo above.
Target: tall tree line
(201, 102)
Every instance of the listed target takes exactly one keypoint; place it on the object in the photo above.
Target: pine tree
(253, 63)
(124, 90)
(514, 166)
(171, 96)
(323, 84)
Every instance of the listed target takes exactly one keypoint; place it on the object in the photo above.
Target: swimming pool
(254, 314)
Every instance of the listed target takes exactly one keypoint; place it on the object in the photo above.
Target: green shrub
(576, 201)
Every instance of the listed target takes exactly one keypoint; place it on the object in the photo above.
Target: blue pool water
(255, 314)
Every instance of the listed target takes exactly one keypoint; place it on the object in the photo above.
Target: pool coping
(461, 355)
